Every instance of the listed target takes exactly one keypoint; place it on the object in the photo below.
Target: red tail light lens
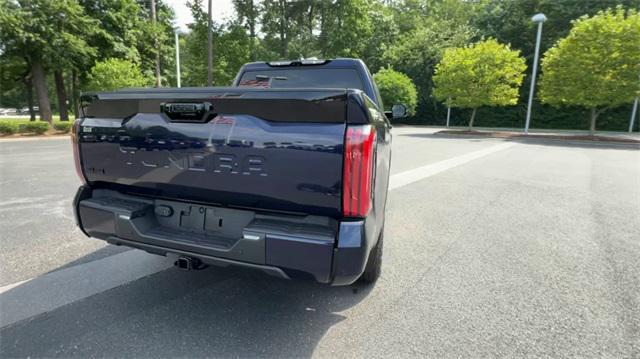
(75, 143)
(358, 170)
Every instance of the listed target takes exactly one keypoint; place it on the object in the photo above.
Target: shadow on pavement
(534, 141)
(225, 312)
(104, 252)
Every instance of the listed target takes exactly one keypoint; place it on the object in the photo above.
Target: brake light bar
(75, 143)
(303, 62)
(280, 63)
(358, 170)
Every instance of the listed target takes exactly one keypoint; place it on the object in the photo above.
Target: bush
(8, 127)
(62, 126)
(396, 88)
(37, 127)
(113, 74)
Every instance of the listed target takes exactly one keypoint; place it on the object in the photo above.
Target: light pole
(633, 114)
(448, 112)
(177, 33)
(537, 19)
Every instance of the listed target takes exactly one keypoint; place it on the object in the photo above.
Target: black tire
(373, 269)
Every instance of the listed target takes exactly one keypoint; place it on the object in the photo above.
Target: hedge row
(542, 117)
(9, 127)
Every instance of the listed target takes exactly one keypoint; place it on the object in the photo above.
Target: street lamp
(537, 19)
(448, 111)
(633, 114)
(177, 36)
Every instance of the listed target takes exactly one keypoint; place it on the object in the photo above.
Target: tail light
(358, 170)
(75, 143)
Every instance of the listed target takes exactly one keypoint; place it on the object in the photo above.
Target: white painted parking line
(407, 177)
(47, 292)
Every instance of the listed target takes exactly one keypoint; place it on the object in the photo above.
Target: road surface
(493, 248)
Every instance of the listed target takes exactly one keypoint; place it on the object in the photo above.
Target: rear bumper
(330, 251)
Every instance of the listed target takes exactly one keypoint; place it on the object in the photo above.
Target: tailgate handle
(198, 112)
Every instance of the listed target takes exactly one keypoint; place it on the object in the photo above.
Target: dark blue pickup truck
(287, 171)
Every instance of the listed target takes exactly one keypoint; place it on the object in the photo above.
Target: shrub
(62, 126)
(8, 127)
(37, 127)
(113, 74)
(396, 88)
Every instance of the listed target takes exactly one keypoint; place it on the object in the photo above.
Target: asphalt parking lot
(493, 248)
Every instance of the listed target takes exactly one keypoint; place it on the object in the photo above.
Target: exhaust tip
(188, 263)
(184, 263)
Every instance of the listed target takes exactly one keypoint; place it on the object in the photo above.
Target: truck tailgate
(275, 150)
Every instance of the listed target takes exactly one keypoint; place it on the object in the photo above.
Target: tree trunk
(39, 82)
(61, 93)
(155, 42)
(252, 42)
(473, 117)
(592, 126)
(28, 85)
(252, 31)
(310, 18)
(284, 43)
(75, 93)
(69, 89)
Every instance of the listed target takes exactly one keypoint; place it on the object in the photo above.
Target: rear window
(302, 77)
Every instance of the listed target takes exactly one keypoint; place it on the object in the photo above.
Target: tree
(113, 74)
(15, 83)
(44, 32)
(230, 42)
(248, 12)
(417, 52)
(345, 28)
(486, 73)
(596, 66)
(384, 34)
(396, 88)
(278, 25)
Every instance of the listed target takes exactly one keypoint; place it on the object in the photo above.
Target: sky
(222, 9)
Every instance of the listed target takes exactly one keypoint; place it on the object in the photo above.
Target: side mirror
(399, 111)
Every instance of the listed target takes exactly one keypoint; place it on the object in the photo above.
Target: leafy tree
(279, 25)
(486, 73)
(509, 22)
(345, 28)
(15, 83)
(41, 31)
(416, 54)
(231, 46)
(597, 65)
(396, 88)
(113, 74)
(248, 15)
(384, 34)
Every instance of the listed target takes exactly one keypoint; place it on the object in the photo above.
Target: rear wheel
(373, 269)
